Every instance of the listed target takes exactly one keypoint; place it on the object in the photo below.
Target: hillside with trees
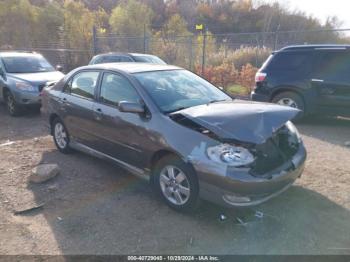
(168, 25)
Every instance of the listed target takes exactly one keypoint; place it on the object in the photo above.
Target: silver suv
(22, 77)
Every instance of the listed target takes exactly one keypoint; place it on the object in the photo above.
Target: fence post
(276, 40)
(190, 52)
(144, 38)
(94, 41)
(203, 51)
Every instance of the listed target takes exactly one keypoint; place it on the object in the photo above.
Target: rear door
(120, 134)
(77, 103)
(331, 79)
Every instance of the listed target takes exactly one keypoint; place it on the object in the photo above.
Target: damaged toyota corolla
(189, 138)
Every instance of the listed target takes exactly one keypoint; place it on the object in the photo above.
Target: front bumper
(27, 98)
(236, 187)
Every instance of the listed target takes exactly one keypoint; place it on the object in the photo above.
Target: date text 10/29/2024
(173, 258)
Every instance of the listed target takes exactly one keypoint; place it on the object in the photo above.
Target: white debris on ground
(7, 143)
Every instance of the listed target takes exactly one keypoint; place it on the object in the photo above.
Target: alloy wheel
(287, 102)
(61, 135)
(174, 185)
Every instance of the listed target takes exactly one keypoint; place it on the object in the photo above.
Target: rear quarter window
(289, 61)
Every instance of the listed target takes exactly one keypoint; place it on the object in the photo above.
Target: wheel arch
(5, 89)
(163, 153)
(52, 118)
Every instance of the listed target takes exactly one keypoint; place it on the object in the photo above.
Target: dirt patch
(94, 207)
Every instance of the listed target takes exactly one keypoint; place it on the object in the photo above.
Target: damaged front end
(276, 151)
(245, 167)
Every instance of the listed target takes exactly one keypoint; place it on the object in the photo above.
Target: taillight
(260, 77)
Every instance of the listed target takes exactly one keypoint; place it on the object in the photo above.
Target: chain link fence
(205, 49)
(194, 52)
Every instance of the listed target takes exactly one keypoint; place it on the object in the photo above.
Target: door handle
(317, 80)
(98, 114)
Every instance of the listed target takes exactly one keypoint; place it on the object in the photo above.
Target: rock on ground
(44, 172)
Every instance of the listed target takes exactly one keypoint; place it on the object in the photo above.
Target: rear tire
(61, 136)
(291, 99)
(176, 183)
(11, 105)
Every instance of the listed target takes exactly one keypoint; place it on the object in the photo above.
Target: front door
(120, 134)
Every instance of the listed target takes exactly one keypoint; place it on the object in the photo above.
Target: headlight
(230, 155)
(294, 131)
(25, 86)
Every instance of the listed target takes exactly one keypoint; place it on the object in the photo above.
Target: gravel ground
(94, 207)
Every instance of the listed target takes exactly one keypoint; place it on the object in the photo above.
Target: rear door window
(289, 61)
(83, 84)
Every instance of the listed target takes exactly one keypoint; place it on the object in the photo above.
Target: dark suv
(312, 78)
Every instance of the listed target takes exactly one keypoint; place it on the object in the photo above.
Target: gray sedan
(168, 125)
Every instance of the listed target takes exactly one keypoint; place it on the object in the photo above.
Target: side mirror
(131, 107)
(59, 68)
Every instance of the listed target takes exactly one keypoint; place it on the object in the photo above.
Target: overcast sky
(321, 8)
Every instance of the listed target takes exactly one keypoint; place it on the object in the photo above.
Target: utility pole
(203, 51)
(94, 41)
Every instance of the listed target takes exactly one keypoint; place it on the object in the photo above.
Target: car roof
(19, 54)
(139, 54)
(315, 47)
(132, 67)
(123, 54)
(112, 53)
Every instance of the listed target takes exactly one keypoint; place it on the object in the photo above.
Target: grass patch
(237, 90)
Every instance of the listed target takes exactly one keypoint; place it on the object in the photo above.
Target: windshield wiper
(217, 100)
(174, 110)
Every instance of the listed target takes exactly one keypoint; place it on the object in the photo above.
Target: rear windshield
(288, 61)
(149, 59)
(111, 59)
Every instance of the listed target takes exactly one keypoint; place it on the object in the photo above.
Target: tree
(78, 24)
(173, 42)
(18, 20)
(131, 18)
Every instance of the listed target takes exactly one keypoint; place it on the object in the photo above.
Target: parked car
(126, 57)
(22, 78)
(312, 78)
(188, 137)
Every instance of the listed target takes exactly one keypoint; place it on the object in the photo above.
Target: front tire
(291, 99)
(176, 183)
(61, 136)
(11, 105)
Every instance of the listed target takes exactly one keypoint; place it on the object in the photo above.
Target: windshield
(149, 59)
(27, 64)
(174, 90)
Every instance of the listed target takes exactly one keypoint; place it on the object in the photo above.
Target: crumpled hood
(245, 121)
(37, 77)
